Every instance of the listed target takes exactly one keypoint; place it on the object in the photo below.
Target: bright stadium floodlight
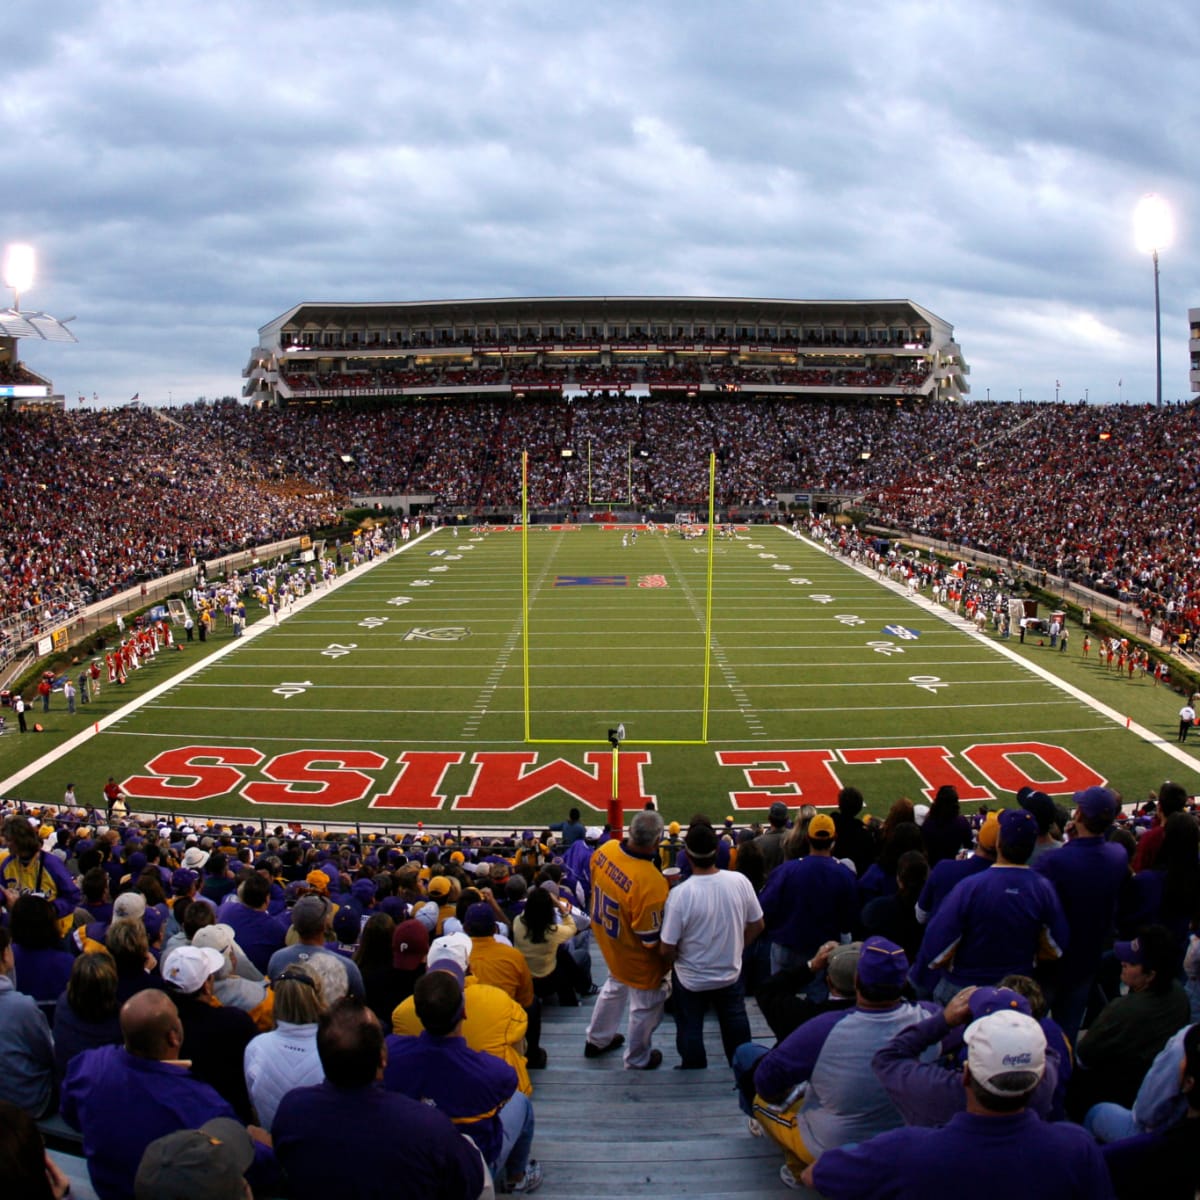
(19, 261)
(1152, 230)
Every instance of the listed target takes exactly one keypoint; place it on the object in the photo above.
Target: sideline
(257, 629)
(1170, 749)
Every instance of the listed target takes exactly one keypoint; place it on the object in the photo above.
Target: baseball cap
(778, 812)
(130, 904)
(1006, 1043)
(189, 966)
(882, 964)
(410, 944)
(364, 890)
(346, 924)
(439, 885)
(453, 946)
(986, 1000)
(153, 921)
(450, 966)
(989, 832)
(842, 968)
(821, 828)
(182, 880)
(457, 857)
(480, 921)
(1132, 952)
(673, 829)
(317, 880)
(1018, 827)
(196, 1164)
(219, 937)
(1043, 808)
(1097, 803)
(309, 914)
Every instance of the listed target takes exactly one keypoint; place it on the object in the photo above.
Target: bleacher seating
(100, 500)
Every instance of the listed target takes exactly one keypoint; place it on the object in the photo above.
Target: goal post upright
(593, 499)
(525, 582)
(708, 590)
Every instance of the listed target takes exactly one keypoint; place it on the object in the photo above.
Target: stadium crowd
(102, 500)
(1101, 496)
(654, 370)
(958, 1001)
(485, 338)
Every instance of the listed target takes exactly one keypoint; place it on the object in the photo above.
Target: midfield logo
(591, 581)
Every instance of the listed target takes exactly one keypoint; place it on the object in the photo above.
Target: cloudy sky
(189, 171)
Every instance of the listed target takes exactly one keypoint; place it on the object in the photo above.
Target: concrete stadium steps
(603, 1131)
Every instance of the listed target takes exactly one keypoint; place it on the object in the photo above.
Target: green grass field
(400, 695)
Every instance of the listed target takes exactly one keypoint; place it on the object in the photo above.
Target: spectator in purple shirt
(124, 1097)
(42, 965)
(476, 1090)
(997, 1144)
(87, 1014)
(930, 1093)
(344, 1137)
(1087, 873)
(997, 923)
(96, 901)
(257, 932)
(809, 901)
(945, 830)
(950, 871)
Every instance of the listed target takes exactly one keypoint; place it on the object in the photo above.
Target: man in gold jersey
(628, 898)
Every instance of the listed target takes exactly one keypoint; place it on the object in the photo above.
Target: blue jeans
(516, 1119)
(1108, 1122)
(783, 957)
(729, 1002)
(945, 991)
(745, 1061)
(1070, 1007)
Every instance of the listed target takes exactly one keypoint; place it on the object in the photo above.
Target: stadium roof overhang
(16, 324)
(332, 315)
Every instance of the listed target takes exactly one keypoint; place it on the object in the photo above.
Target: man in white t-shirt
(1187, 718)
(709, 920)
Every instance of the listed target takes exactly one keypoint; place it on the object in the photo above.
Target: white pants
(645, 1016)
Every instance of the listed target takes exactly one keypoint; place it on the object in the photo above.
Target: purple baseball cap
(1097, 803)
(1018, 827)
(882, 964)
(182, 880)
(986, 1000)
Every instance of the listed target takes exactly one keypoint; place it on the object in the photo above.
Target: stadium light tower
(19, 263)
(1152, 230)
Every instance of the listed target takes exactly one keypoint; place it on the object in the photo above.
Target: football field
(472, 681)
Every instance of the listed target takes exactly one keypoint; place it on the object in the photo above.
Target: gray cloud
(188, 172)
